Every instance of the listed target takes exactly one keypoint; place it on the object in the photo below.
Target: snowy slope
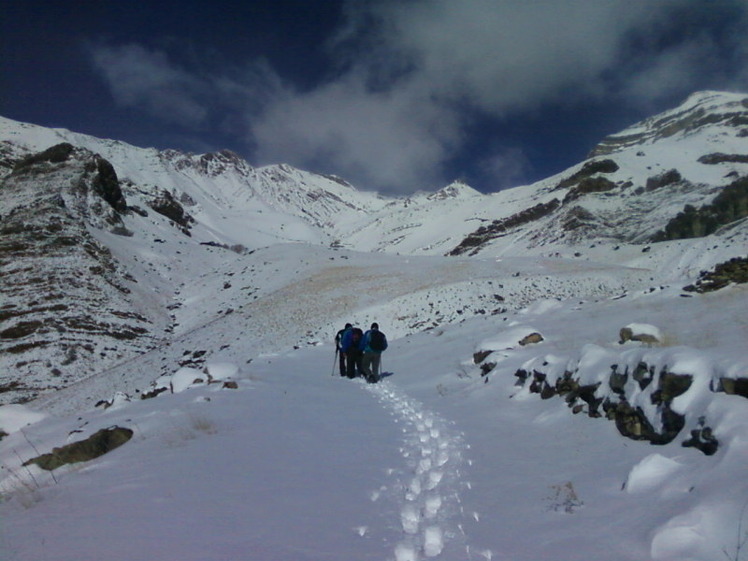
(255, 449)
(437, 461)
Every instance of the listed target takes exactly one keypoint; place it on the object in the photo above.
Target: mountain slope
(149, 226)
(440, 460)
(190, 302)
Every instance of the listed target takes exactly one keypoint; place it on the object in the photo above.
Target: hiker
(339, 349)
(351, 347)
(373, 345)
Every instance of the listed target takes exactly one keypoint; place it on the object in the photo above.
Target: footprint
(410, 519)
(433, 541)
(433, 504)
(414, 489)
(405, 552)
(423, 466)
(434, 478)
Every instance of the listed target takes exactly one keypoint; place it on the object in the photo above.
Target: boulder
(734, 386)
(641, 332)
(94, 446)
(531, 339)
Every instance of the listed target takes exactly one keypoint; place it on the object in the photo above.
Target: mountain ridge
(160, 228)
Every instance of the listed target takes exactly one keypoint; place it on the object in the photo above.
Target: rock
(617, 381)
(733, 271)
(94, 446)
(480, 356)
(153, 393)
(664, 179)
(641, 332)
(530, 339)
(702, 439)
(106, 185)
(671, 386)
(643, 374)
(168, 206)
(734, 386)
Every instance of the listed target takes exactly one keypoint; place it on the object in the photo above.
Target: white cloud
(410, 76)
(507, 167)
(383, 139)
(138, 77)
(415, 69)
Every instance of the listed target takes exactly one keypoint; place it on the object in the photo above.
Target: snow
(507, 339)
(433, 462)
(439, 460)
(650, 473)
(645, 329)
(14, 417)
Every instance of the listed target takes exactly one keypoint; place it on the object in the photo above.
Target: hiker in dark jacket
(339, 348)
(373, 345)
(351, 347)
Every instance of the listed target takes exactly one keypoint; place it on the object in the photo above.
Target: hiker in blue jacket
(373, 344)
(350, 347)
(339, 347)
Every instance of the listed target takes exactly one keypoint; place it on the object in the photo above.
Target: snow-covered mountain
(118, 232)
(218, 287)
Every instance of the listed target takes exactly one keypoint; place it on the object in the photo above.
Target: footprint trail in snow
(427, 489)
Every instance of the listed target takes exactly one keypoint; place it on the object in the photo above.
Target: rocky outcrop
(663, 180)
(734, 271)
(729, 206)
(94, 446)
(166, 205)
(720, 158)
(588, 170)
(613, 403)
(635, 389)
(66, 302)
(497, 228)
(587, 186)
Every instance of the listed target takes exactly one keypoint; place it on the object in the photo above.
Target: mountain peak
(725, 111)
(455, 190)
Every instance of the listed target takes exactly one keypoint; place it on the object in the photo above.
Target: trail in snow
(427, 489)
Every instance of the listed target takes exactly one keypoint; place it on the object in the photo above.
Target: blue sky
(392, 95)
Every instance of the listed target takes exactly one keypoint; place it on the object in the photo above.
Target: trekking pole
(334, 361)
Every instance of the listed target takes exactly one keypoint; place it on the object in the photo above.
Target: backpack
(377, 341)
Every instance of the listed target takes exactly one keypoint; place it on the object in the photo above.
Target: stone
(480, 356)
(735, 386)
(94, 446)
(530, 339)
(702, 439)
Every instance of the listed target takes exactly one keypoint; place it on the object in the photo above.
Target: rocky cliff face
(67, 304)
